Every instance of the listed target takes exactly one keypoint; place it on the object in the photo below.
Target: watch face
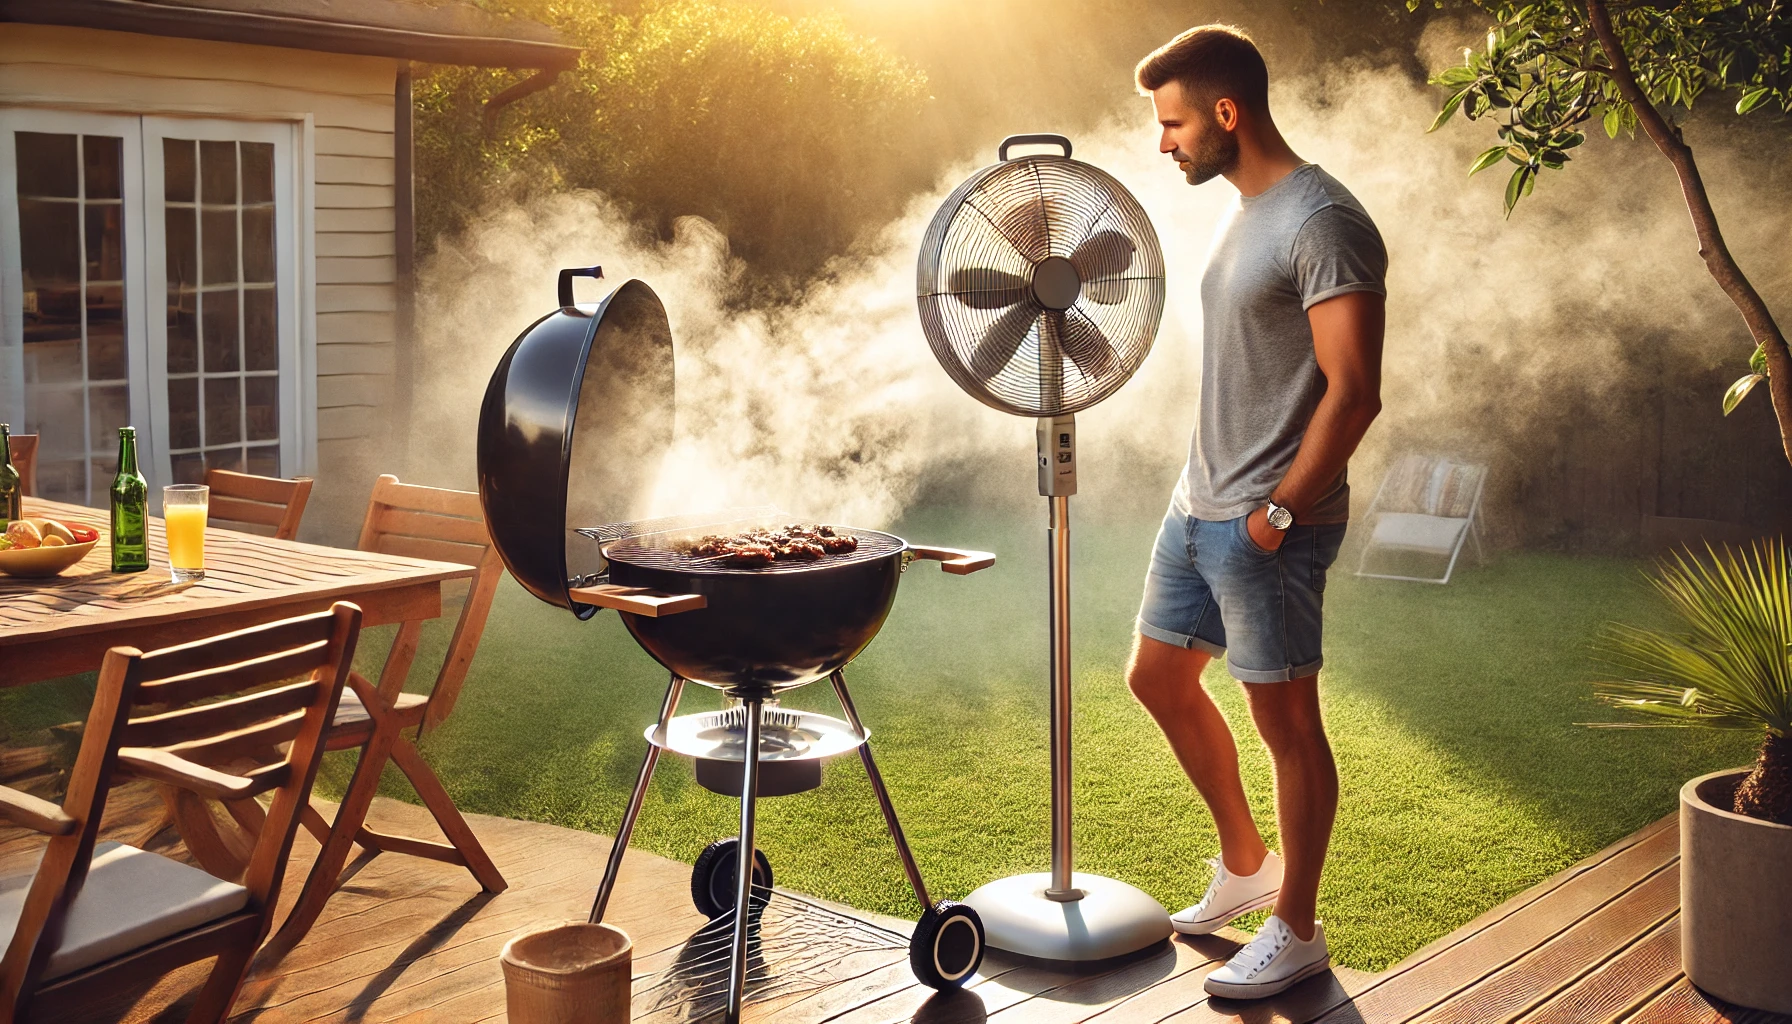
(1280, 518)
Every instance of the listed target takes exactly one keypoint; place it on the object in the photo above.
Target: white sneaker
(1230, 895)
(1272, 962)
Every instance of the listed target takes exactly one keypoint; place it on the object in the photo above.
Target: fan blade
(1087, 347)
(1109, 291)
(1103, 254)
(1002, 340)
(986, 287)
(1021, 222)
(1051, 362)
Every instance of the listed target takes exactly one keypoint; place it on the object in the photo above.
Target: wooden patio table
(64, 624)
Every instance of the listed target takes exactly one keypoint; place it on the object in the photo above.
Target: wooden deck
(413, 940)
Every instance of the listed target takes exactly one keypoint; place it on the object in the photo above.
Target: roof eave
(292, 33)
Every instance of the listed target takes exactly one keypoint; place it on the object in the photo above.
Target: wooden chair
(24, 459)
(422, 522)
(103, 915)
(265, 501)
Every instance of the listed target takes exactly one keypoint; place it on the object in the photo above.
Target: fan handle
(1032, 140)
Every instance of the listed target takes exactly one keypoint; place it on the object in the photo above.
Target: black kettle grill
(575, 422)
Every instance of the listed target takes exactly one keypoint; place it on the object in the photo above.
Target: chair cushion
(132, 899)
(1415, 532)
(350, 710)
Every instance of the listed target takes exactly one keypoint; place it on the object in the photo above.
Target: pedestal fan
(1041, 286)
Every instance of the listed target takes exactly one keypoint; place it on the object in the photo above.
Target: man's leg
(1288, 719)
(1167, 680)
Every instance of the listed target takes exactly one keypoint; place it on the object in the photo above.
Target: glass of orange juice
(183, 511)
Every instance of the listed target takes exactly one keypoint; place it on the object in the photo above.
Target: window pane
(188, 469)
(260, 338)
(225, 458)
(183, 413)
(62, 480)
(262, 397)
(183, 332)
(218, 245)
(217, 172)
(53, 362)
(258, 243)
(101, 157)
(55, 416)
(50, 244)
(178, 170)
(181, 247)
(105, 332)
(223, 410)
(105, 243)
(109, 408)
(265, 460)
(218, 317)
(258, 172)
(47, 165)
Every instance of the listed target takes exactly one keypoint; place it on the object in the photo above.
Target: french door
(148, 276)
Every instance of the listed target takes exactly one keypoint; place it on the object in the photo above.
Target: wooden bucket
(569, 973)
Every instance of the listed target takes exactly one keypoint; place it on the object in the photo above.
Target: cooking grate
(655, 551)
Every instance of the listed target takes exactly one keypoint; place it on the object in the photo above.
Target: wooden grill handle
(638, 600)
(954, 560)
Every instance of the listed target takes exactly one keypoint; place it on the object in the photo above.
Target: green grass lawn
(1453, 711)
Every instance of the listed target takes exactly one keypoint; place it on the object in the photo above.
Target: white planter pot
(1735, 897)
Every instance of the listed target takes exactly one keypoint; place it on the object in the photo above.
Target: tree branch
(1712, 250)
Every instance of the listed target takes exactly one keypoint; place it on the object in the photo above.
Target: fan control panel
(1057, 456)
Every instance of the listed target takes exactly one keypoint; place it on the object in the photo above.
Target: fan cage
(982, 320)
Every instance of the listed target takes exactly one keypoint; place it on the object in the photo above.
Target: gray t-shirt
(1303, 240)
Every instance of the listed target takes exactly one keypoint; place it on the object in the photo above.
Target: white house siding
(349, 102)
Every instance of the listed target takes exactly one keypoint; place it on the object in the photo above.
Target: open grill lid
(606, 370)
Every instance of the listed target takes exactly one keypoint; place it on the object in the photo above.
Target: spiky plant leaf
(1732, 666)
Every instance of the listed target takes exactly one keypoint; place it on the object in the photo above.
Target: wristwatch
(1279, 517)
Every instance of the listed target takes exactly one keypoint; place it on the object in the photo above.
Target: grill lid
(576, 419)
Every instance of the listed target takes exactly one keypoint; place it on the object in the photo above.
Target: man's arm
(1347, 334)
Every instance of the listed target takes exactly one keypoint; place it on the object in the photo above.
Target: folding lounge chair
(1426, 505)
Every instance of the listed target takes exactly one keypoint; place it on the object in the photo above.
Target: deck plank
(1621, 984)
(415, 941)
(1401, 995)
(1565, 958)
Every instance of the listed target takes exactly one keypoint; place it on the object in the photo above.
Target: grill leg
(749, 794)
(674, 689)
(909, 866)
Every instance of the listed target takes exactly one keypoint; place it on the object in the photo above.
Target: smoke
(831, 405)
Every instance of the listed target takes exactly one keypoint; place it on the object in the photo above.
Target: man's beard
(1215, 154)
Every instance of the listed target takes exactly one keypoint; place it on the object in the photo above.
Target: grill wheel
(717, 872)
(947, 946)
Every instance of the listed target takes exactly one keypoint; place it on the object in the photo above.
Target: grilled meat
(795, 542)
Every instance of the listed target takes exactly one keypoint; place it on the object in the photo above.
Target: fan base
(1112, 919)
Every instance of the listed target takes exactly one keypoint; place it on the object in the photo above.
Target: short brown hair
(1211, 62)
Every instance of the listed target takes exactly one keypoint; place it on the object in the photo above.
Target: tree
(791, 134)
(1548, 68)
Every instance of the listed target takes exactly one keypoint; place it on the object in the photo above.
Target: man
(1292, 316)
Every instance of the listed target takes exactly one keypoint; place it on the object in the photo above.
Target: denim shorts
(1211, 588)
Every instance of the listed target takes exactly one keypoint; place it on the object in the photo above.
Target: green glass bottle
(130, 508)
(12, 489)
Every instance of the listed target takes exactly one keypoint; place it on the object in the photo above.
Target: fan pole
(1064, 914)
(1058, 541)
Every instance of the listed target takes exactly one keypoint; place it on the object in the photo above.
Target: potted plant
(1728, 666)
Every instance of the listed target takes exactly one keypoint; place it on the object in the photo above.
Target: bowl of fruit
(43, 547)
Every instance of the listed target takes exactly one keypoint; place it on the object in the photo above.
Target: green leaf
(1739, 390)
(1613, 121)
(1757, 361)
(1449, 108)
(1487, 159)
(1456, 77)
(1752, 99)
(1516, 187)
